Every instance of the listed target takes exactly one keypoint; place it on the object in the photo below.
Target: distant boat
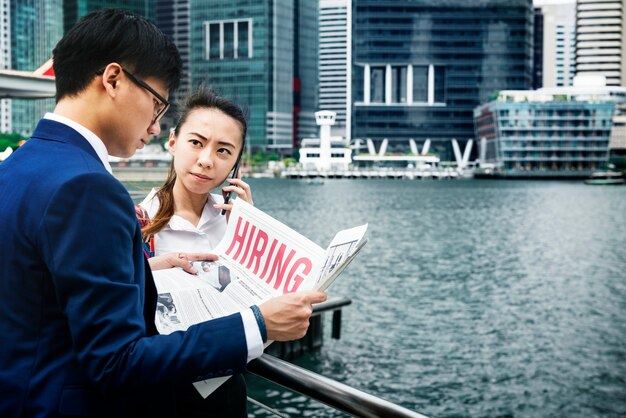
(315, 181)
(605, 178)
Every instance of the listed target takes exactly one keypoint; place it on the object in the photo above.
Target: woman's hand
(182, 260)
(238, 187)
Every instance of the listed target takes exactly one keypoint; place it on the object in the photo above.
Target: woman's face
(205, 150)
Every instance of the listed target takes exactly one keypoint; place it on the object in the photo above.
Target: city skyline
(389, 76)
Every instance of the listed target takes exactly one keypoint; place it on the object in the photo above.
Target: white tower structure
(325, 119)
(319, 153)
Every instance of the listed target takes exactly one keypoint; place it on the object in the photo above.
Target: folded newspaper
(259, 258)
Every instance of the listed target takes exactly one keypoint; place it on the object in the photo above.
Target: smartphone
(233, 176)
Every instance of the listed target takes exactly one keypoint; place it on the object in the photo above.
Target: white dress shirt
(180, 235)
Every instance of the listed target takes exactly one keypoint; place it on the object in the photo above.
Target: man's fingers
(315, 297)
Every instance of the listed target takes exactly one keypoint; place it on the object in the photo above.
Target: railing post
(336, 330)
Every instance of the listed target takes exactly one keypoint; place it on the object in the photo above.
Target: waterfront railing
(330, 392)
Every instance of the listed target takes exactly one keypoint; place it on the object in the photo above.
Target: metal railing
(330, 392)
(334, 305)
(314, 338)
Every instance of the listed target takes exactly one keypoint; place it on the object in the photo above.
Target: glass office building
(420, 67)
(5, 61)
(263, 55)
(550, 132)
(173, 18)
(538, 49)
(73, 10)
(36, 27)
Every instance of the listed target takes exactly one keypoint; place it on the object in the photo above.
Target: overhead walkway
(38, 84)
(25, 85)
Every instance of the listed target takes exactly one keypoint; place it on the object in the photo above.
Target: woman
(182, 220)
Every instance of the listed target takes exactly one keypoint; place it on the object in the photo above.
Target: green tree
(259, 158)
(10, 140)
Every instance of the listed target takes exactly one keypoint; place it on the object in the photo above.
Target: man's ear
(110, 78)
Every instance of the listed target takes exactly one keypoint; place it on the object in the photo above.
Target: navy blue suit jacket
(77, 335)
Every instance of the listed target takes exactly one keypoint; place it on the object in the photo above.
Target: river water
(472, 297)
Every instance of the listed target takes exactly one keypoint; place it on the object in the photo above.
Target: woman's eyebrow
(197, 134)
(223, 142)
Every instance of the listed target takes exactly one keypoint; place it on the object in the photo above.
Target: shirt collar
(92, 138)
(209, 213)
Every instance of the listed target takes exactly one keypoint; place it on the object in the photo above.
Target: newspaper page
(259, 258)
(342, 249)
(267, 251)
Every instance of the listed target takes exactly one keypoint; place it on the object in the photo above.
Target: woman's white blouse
(180, 235)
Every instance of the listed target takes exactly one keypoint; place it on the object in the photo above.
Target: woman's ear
(171, 142)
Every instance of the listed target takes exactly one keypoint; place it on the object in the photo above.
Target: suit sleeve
(90, 242)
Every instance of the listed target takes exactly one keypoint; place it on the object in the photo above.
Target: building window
(377, 84)
(405, 84)
(429, 84)
(440, 84)
(213, 41)
(228, 39)
(243, 31)
(420, 83)
(398, 84)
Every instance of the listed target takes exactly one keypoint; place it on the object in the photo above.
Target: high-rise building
(173, 18)
(36, 27)
(537, 48)
(421, 66)
(5, 61)
(600, 35)
(263, 55)
(559, 44)
(306, 70)
(550, 132)
(73, 10)
(335, 43)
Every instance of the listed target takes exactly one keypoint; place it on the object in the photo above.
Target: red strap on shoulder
(144, 220)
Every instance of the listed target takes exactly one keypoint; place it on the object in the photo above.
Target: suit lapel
(54, 131)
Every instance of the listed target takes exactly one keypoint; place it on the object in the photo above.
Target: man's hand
(287, 316)
(182, 260)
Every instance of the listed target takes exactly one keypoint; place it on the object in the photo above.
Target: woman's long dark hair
(203, 98)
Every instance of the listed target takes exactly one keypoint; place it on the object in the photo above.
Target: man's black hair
(113, 35)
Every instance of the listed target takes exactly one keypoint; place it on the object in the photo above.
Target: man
(77, 331)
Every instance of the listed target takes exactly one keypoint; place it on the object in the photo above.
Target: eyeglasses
(160, 104)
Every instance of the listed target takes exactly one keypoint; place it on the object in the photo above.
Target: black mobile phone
(233, 176)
